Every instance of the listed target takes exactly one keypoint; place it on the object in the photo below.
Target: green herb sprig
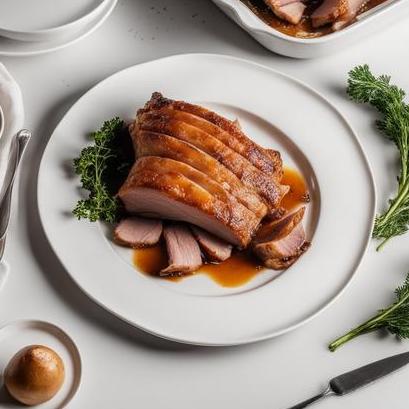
(102, 167)
(388, 99)
(394, 318)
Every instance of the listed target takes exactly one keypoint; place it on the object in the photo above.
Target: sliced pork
(214, 248)
(183, 251)
(353, 8)
(280, 243)
(201, 170)
(263, 183)
(138, 232)
(155, 144)
(328, 12)
(172, 195)
(338, 12)
(292, 12)
(228, 132)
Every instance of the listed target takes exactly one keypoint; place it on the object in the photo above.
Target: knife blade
(357, 378)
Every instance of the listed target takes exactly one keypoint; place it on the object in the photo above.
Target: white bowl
(294, 47)
(49, 32)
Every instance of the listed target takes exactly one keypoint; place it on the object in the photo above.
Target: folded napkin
(11, 102)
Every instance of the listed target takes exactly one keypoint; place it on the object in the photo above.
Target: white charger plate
(16, 48)
(42, 20)
(277, 111)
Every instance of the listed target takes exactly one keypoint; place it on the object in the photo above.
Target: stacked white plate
(35, 27)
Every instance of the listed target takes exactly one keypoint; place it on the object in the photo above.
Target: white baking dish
(283, 44)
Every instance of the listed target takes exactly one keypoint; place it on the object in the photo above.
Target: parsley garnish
(388, 99)
(102, 167)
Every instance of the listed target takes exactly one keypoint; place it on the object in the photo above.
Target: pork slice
(155, 144)
(279, 3)
(291, 12)
(284, 263)
(138, 232)
(268, 188)
(353, 7)
(214, 248)
(221, 128)
(284, 247)
(279, 228)
(167, 165)
(328, 12)
(279, 244)
(175, 197)
(183, 251)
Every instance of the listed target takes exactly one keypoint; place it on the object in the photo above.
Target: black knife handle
(310, 401)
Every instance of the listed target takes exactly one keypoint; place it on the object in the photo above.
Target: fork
(18, 148)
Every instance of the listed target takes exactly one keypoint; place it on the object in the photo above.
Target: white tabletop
(125, 368)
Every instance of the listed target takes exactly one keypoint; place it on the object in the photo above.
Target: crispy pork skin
(228, 132)
(138, 232)
(279, 244)
(183, 250)
(155, 144)
(174, 196)
(264, 184)
(214, 248)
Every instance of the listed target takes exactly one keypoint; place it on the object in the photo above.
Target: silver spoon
(18, 148)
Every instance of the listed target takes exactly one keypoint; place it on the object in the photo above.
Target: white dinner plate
(38, 20)
(16, 48)
(278, 112)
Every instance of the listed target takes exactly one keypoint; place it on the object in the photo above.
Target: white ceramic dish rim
(1, 122)
(58, 29)
(354, 268)
(93, 25)
(244, 15)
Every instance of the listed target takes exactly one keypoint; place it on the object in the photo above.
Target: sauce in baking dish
(242, 266)
(301, 30)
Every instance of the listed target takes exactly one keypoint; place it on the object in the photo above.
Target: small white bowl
(18, 334)
(295, 47)
(53, 33)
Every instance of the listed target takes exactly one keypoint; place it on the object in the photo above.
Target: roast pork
(280, 243)
(265, 185)
(183, 251)
(138, 232)
(288, 10)
(214, 248)
(153, 189)
(338, 12)
(198, 168)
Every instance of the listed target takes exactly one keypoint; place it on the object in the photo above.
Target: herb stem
(370, 325)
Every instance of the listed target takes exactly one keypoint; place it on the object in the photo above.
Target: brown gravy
(304, 28)
(298, 193)
(242, 266)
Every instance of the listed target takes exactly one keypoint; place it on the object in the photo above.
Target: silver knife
(350, 381)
